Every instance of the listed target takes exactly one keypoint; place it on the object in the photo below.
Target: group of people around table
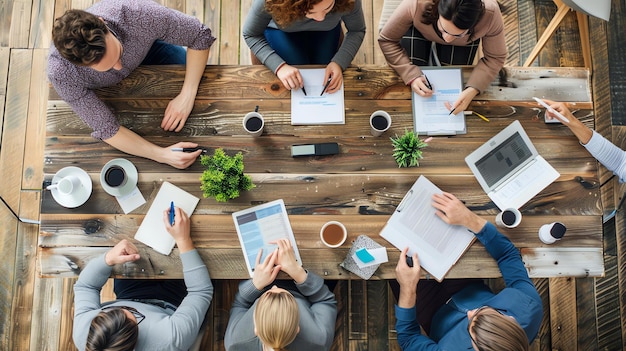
(101, 46)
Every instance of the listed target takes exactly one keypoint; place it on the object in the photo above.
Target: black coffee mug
(115, 176)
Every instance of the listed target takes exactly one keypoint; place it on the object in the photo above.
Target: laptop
(509, 168)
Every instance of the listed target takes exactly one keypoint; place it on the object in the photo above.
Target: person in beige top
(447, 23)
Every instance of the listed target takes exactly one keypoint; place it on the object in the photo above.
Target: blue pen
(172, 213)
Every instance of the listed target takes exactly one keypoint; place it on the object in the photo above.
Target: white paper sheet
(313, 108)
(415, 225)
(152, 230)
(430, 115)
(131, 201)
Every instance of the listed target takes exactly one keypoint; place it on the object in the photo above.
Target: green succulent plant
(407, 149)
(223, 177)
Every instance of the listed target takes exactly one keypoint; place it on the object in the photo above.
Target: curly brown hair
(79, 36)
(285, 12)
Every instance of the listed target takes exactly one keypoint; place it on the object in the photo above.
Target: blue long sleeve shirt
(519, 299)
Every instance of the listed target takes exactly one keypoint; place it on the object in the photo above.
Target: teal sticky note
(364, 255)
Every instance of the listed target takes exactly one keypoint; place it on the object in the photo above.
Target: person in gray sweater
(298, 315)
(285, 33)
(153, 315)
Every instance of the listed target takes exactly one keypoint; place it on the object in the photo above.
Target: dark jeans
(304, 48)
(162, 53)
(171, 290)
(431, 295)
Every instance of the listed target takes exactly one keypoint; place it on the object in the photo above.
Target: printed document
(415, 225)
(315, 107)
(259, 227)
(430, 115)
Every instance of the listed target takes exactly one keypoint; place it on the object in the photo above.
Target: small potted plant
(223, 177)
(407, 149)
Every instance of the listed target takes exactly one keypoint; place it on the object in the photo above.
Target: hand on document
(334, 73)
(290, 77)
(265, 272)
(452, 211)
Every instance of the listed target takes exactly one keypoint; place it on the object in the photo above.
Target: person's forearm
(581, 131)
(131, 143)
(474, 223)
(196, 64)
(407, 297)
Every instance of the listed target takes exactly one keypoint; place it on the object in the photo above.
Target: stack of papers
(315, 107)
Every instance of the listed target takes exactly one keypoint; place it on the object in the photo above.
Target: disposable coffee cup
(115, 176)
(253, 123)
(552, 232)
(509, 218)
(380, 121)
(66, 185)
(333, 234)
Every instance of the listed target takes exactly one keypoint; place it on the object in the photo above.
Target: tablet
(258, 227)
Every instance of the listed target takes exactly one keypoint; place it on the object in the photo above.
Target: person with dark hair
(147, 314)
(445, 32)
(464, 314)
(289, 315)
(283, 33)
(101, 46)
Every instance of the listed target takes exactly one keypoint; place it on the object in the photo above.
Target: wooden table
(360, 187)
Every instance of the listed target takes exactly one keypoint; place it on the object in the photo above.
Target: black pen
(427, 82)
(190, 149)
(304, 90)
(326, 86)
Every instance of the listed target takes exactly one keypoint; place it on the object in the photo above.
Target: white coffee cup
(552, 232)
(66, 185)
(333, 234)
(380, 121)
(253, 123)
(509, 218)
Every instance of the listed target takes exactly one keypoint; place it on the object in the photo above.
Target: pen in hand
(326, 86)
(172, 213)
(304, 90)
(190, 149)
(428, 85)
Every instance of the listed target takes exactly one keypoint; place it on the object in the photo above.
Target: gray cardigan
(163, 329)
(318, 312)
(258, 20)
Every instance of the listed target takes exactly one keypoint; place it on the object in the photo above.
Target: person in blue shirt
(472, 317)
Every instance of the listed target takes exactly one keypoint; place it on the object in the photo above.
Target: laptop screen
(503, 159)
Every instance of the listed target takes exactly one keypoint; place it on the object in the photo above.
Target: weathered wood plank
(48, 314)
(617, 61)
(511, 31)
(244, 51)
(377, 9)
(358, 312)
(229, 34)
(568, 39)
(365, 55)
(215, 231)
(340, 343)
(20, 24)
(527, 30)
(365, 82)
(377, 328)
(24, 278)
(32, 174)
(620, 229)
(41, 24)
(563, 313)
(8, 246)
(544, 338)
(586, 314)
(212, 19)
(544, 11)
(222, 300)
(14, 128)
(67, 315)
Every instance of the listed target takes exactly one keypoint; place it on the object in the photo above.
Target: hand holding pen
(422, 87)
(333, 79)
(180, 160)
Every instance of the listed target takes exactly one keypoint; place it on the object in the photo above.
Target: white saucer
(80, 195)
(131, 177)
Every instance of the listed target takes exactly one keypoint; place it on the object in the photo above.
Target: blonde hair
(493, 331)
(276, 319)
